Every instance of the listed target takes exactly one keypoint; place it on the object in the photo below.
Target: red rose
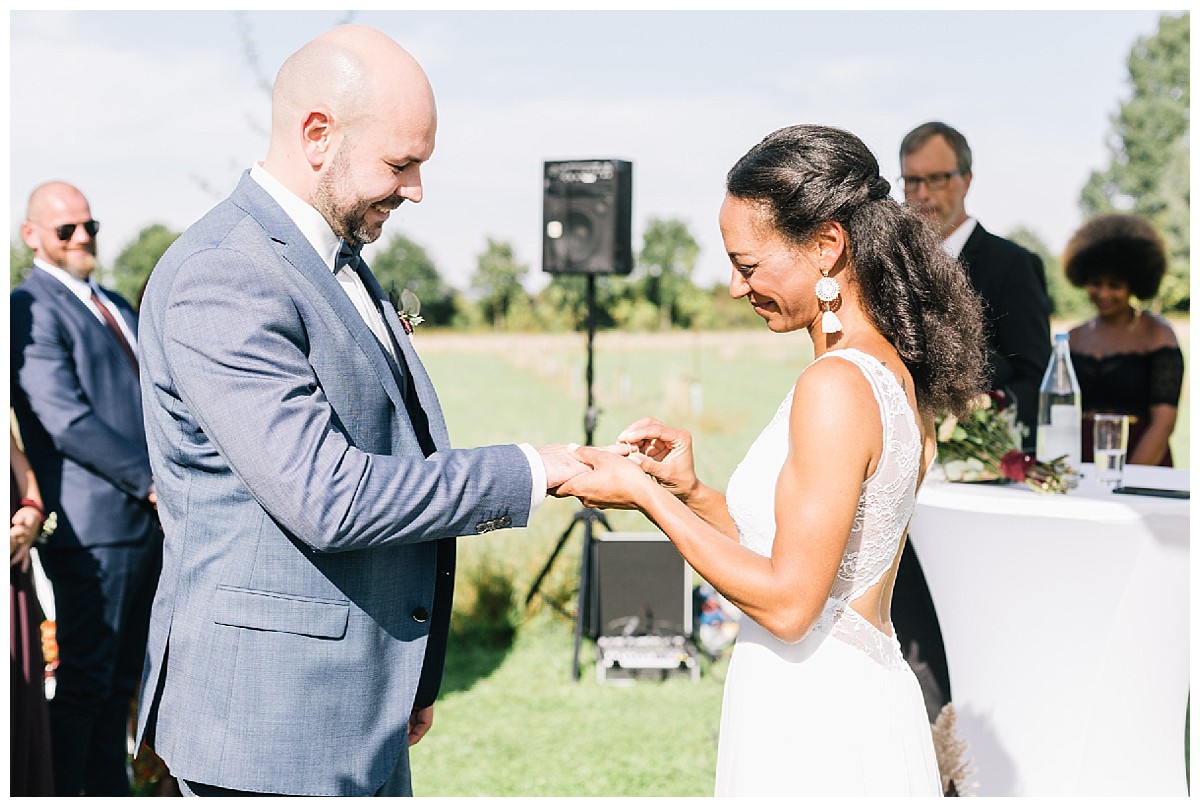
(1015, 465)
(999, 399)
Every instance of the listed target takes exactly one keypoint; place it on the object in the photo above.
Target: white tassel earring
(829, 292)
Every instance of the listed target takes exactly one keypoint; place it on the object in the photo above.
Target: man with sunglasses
(77, 400)
(936, 175)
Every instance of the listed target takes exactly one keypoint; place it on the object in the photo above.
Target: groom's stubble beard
(334, 198)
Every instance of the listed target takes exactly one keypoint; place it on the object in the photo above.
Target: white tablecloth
(1065, 621)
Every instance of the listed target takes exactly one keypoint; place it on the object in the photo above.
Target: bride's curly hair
(915, 294)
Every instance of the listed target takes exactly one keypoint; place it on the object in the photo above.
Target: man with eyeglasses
(936, 175)
(77, 400)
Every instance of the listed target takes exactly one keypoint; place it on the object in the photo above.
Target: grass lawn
(510, 721)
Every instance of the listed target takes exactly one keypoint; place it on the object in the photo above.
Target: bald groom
(306, 484)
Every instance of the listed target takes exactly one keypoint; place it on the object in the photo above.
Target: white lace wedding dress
(839, 712)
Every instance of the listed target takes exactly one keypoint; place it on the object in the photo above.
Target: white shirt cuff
(537, 470)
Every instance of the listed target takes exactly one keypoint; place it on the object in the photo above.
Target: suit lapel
(77, 309)
(418, 377)
(971, 246)
(295, 249)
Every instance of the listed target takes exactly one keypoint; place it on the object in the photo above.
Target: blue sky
(155, 114)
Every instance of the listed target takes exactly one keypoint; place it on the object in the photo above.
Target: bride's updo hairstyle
(915, 294)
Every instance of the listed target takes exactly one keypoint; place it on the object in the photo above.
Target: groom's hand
(570, 466)
(560, 465)
(419, 722)
(614, 482)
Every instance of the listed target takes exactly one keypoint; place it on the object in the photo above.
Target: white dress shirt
(326, 243)
(954, 243)
(83, 290)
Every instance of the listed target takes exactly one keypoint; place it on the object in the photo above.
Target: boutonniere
(409, 311)
(48, 528)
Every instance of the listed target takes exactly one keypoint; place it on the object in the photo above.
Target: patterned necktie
(111, 322)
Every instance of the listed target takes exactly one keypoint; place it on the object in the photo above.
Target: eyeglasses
(935, 182)
(66, 231)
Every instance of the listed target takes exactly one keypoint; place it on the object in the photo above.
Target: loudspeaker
(586, 208)
(640, 585)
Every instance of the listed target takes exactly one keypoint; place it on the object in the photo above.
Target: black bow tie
(347, 256)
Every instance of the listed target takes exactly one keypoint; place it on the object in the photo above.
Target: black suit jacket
(1012, 282)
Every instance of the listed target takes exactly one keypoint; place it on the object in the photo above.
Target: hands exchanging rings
(663, 454)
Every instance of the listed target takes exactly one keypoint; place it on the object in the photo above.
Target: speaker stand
(586, 515)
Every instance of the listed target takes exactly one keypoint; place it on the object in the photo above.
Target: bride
(806, 542)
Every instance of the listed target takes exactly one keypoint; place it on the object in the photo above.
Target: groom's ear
(317, 137)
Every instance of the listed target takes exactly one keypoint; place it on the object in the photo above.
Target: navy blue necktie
(347, 256)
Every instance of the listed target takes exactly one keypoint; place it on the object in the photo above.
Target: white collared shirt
(326, 243)
(83, 290)
(954, 243)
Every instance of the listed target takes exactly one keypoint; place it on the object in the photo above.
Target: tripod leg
(585, 591)
(537, 584)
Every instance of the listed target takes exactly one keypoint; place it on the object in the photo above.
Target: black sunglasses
(65, 231)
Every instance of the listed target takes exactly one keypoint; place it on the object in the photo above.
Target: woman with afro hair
(1126, 358)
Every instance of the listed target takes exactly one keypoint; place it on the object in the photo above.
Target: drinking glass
(1109, 444)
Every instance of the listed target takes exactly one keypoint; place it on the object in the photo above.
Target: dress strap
(876, 374)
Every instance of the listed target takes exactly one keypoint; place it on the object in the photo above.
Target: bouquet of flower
(986, 445)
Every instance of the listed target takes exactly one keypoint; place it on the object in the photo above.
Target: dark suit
(78, 405)
(1012, 282)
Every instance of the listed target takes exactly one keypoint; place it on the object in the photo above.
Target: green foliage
(564, 301)
(636, 315)
(664, 271)
(728, 314)
(485, 612)
(1150, 158)
(1069, 303)
(133, 266)
(20, 261)
(497, 281)
(403, 264)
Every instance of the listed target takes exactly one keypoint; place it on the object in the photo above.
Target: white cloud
(130, 128)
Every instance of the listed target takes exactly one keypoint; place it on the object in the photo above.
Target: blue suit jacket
(79, 408)
(290, 628)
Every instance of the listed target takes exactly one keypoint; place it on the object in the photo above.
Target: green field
(510, 721)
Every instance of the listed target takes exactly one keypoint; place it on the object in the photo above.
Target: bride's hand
(614, 483)
(665, 453)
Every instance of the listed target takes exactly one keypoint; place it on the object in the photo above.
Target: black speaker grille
(586, 209)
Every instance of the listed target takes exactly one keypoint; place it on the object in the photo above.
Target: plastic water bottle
(1060, 411)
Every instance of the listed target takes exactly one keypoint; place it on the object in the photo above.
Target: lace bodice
(884, 507)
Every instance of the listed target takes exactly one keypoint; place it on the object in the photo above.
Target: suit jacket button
(420, 614)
